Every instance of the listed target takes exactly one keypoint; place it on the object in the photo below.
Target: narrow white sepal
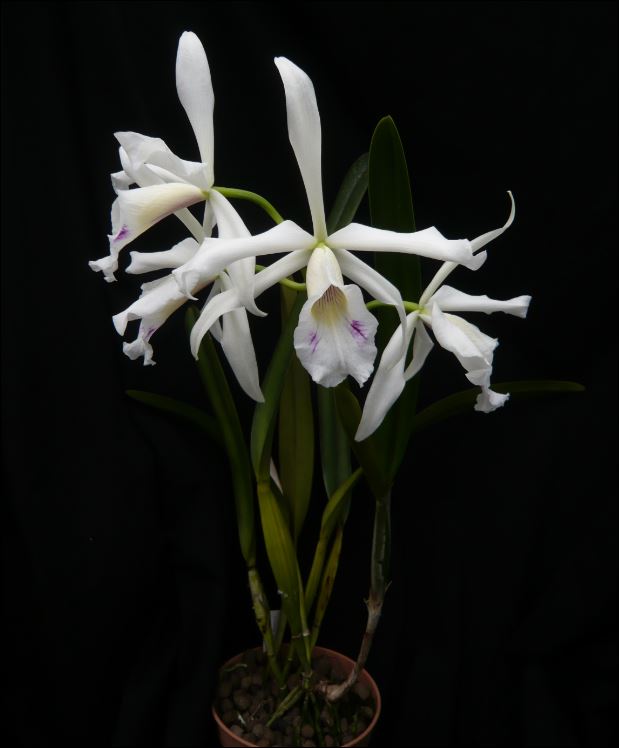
(451, 300)
(238, 348)
(146, 262)
(195, 91)
(305, 136)
(482, 240)
(388, 382)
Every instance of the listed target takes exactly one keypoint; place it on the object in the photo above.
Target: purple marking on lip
(357, 329)
(121, 234)
(314, 340)
(149, 332)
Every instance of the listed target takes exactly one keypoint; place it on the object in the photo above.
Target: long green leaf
(263, 424)
(350, 195)
(463, 402)
(367, 451)
(334, 514)
(282, 557)
(391, 207)
(184, 411)
(222, 402)
(328, 580)
(296, 433)
(334, 445)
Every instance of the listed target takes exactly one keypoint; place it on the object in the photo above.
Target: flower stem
(261, 611)
(410, 306)
(381, 542)
(253, 197)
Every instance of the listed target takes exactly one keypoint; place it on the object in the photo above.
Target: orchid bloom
(166, 185)
(335, 333)
(473, 349)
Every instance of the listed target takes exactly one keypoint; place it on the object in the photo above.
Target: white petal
(242, 272)
(195, 91)
(280, 269)
(220, 304)
(141, 170)
(239, 350)
(335, 336)
(215, 329)
(305, 137)
(159, 299)
(451, 300)
(107, 265)
(216, 254)
(482, 240)
(323, 270)
(422, 345)
(488, 400)
(230, 225)
(427, 243)
(121, 180)
(145, 262)
(473, 349)
(139, 347)
(139, 149)
(365, 276)
(141, 208)
(388, 382)
(375, 284)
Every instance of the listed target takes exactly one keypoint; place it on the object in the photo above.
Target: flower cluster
(335, 334)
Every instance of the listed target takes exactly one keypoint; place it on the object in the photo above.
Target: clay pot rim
(319, 651)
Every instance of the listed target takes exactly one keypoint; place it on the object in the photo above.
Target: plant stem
(263, 619)
(252, 197)
(381, 542)
(409, 306)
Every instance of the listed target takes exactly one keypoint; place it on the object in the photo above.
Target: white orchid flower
(335, 334)
(167, 184)
(473, 349)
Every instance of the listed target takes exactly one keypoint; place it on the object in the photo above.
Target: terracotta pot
(229, 740)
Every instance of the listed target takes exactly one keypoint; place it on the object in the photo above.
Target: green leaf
(336, 507)
(463, 402)
(367, 451)
(334, 514)
(334, 446)
(296, 433)
(328, 580)
(263, 424)
(350, 195)
(182, 410)
(282, 557)
(391, 207)
(222, 402)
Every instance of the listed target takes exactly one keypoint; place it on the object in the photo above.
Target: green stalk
(409, 306)
(381, 543)
(253, 197)
(263, 619)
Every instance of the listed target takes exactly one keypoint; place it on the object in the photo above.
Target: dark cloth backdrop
(123, 586)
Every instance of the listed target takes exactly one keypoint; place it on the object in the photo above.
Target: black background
(123, 585)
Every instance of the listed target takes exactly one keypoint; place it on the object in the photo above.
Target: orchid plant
(329, 331)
